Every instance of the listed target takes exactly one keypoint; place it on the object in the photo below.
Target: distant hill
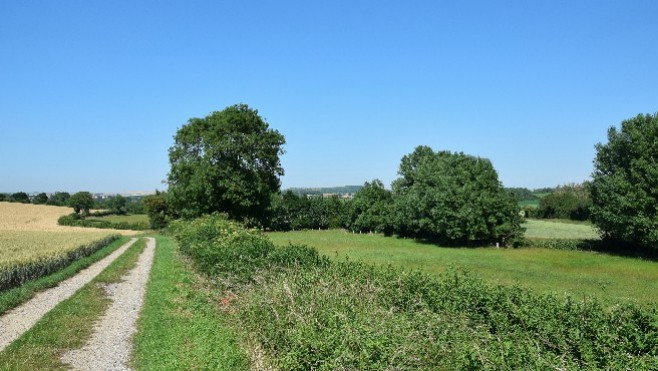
(351, 189)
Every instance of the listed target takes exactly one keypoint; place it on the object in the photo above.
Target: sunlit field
(612, 279)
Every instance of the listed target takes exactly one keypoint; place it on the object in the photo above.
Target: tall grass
(307, 312)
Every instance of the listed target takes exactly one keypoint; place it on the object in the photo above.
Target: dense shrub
(571, 201)
(625, 183)
(289, 211)
(20, 197)
(157, 209)
(453, 198)
(306, 312)
(371, 209)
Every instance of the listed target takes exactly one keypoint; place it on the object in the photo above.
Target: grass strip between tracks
(70, 323)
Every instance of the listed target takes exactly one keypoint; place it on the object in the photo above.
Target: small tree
(157, 209)
(117, 205)
(40, 199)
(21, 197)
(371, 208)
(81, 202)
(571, 201)
(453, 198)
(624, 187)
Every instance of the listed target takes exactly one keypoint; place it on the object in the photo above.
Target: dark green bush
(571, 201)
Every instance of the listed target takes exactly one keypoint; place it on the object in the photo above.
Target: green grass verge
(612, 279)
(13, 297)
(70, 323)
(180, 328)
(137, 218)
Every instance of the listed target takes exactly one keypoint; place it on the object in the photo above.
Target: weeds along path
(20, 319)
(110, 345)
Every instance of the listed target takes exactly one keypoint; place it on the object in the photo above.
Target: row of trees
(229, 162)
(81, 202)
(55, 199)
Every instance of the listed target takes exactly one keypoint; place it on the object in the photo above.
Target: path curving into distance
(20, 319)
(110, 345)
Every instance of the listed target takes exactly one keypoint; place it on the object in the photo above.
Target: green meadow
(581, 274)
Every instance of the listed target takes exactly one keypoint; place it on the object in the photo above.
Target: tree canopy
(453, 198)
(81, 202)
(371, 208)
(624, 186)
(225, 162)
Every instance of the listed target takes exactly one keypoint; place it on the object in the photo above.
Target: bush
(570, 201)
(453, 198)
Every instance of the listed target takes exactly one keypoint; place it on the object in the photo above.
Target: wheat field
(31, 241)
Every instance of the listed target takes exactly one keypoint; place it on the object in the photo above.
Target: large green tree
(81, 202)
(226, 162)
(453, 198)
(624, 186)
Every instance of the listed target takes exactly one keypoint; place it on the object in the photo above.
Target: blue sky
(92, 92)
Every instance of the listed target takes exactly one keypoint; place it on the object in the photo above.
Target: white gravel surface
(20, 319)
(110, 345)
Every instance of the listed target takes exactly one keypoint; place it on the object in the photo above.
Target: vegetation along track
(20, 319)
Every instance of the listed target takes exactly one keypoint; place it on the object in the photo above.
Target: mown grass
(132, 219)
(69, 324)
(612, 279)
(18, 295)
(561, 229)
(180, 328)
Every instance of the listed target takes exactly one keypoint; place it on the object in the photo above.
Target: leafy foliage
(625, 183)
(371, 208)
(157, 209)
(453, 198)
(21, 197)
(226, 162)
(59, 199)
(571, 201)
(292, 212)
(81, 202)
(521, 194)
(40, 199)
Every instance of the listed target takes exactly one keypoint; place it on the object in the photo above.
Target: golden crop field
(30, 234)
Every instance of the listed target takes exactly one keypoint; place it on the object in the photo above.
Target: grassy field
(612, 279)
(536, 228)
(137, 218)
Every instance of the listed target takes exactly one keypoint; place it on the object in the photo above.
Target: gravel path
(20, 319)
(110, 345)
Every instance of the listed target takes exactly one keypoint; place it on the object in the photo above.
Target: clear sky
(92, 92)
